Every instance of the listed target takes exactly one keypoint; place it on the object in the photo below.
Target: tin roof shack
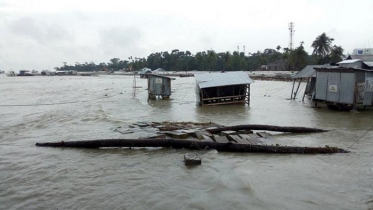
(344, 88)
(159, 86)
(145, 72)
(223, 88)
(307, 73)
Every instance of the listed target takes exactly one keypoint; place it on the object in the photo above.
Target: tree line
(177, 60)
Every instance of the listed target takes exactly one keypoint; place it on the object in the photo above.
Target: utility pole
(291, 30)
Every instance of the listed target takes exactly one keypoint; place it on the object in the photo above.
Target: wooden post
(296, 92)
(196, 145)
(292, 90)
(305, 89)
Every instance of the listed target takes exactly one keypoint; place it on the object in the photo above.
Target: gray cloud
(39, 31)
(117, 41)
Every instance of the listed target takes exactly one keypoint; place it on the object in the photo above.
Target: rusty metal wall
(159, 85)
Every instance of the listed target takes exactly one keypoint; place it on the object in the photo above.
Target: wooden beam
(174, 143)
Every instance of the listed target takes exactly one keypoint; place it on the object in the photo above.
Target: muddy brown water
(59, 178)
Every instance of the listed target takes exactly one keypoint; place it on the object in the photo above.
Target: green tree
(227, 59)
(336, 54)
(298, 58)
(211, 57)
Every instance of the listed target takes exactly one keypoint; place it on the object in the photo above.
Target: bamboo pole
(292, 90)
(305, 89)
(296, 92)
(199, 145)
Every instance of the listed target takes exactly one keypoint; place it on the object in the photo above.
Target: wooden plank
(192, 159)
(221, 139)
(238, 139)
(251, 138)
(206, 138)
(227, 133)
(177, 135)
(245, 131)
(263, 134)
(199, 134)
(156, 136)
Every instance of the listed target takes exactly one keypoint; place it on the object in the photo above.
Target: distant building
(279, 65)
(363, 51)
(145, 72)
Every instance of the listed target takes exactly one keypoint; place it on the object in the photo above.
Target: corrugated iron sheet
(349, 61)
(222, 79)
(369, 63)
(307, 71)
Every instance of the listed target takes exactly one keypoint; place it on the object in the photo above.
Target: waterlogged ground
(92, 107)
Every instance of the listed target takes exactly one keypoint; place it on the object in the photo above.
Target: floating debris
(239, 138)
(192, 159)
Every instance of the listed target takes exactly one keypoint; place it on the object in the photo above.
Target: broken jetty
(202, 136)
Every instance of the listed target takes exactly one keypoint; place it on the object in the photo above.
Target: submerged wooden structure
(223, 88)
(202, 136)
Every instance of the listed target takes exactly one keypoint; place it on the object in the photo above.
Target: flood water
(92, 107)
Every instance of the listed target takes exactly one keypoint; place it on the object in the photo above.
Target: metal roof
(362, 57)
(342, 69)
(222, 79)
(307, 71)
(369, 63)
(349, 61)
(145, 70)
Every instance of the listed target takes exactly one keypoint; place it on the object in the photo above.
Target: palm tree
(298, 58)
(322, 45)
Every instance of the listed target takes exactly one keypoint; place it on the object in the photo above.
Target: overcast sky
(42, 34)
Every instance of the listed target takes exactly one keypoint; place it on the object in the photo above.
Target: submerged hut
(308, 74)
(145, 72)
(223, 88)
(344, 88)
(158, 86)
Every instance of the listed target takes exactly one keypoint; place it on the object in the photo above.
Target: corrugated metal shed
(222, 79)
(159, 86)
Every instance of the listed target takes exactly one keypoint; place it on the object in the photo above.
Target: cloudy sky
(42, 34)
